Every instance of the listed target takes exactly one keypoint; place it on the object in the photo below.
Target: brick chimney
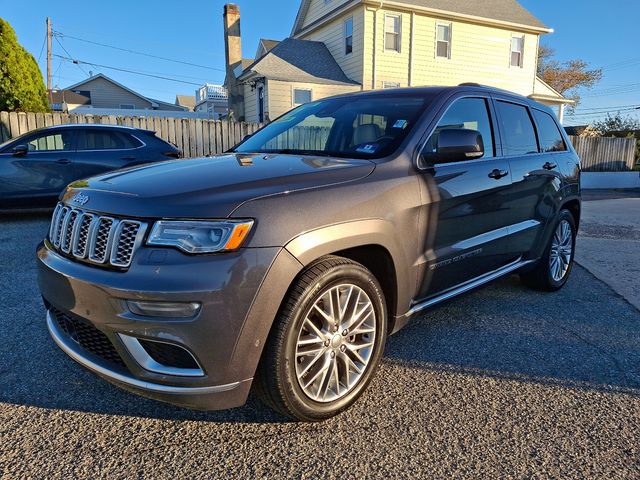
(233, 55)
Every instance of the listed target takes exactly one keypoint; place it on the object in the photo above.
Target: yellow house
(339, 46)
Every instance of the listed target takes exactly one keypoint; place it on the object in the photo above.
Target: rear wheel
(326, 342)
(554, 268)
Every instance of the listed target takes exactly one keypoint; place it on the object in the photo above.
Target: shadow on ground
(585, 337)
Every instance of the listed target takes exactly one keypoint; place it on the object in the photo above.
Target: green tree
(617, 124)
(21, 84)
(566, 77)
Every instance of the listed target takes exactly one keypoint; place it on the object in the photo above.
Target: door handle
(130, 157)
(549, 166)
(63, 161)
(498, 174)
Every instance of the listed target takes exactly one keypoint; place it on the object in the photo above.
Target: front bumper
(225, 337)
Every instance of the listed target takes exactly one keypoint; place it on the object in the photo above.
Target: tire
(547, 275)
(303, 372)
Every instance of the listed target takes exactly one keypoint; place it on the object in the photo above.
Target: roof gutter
(462, 16)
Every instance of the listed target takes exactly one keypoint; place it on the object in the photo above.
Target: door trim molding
(470, 285)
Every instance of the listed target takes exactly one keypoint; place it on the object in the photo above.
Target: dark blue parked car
(37, 166)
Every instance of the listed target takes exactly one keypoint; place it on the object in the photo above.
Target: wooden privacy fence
(199, 137)
(195, 137)
(605, 154)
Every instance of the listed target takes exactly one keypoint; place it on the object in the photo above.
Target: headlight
(200, 237)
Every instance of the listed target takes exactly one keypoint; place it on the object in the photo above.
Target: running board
(465, 287)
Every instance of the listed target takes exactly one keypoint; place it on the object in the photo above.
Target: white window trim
(293, 95)
(344, 28)
(384, 30)
(511, 51)
(449, 41)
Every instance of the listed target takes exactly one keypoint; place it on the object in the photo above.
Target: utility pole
(48, 54)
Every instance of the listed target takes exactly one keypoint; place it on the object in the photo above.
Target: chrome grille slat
(67, 228)
(101, 240)
(80, 242)
(127, 235)
(62, 213)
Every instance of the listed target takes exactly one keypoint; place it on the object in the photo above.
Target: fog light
(163, 309)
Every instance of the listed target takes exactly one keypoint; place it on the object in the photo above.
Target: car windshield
(371, 126)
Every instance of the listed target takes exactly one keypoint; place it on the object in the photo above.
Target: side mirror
(20, 150)
(456, 145)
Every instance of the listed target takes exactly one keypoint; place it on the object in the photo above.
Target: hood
(208, 187)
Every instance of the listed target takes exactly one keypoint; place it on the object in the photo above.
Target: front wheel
(554, 268)
(326, 342)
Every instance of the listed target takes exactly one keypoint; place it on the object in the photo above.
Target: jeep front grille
(90, 237)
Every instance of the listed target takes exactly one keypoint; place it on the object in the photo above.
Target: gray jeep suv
(285, 263)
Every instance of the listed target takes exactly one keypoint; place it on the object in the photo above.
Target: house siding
(319, 8)
(105, 94)
(479, 54)
(250, 104)
(333, 36)
(280, 94)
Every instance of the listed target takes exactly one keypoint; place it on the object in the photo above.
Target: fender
(327, 240)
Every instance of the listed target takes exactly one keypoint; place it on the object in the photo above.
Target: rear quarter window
(548, 133)
(107, 140)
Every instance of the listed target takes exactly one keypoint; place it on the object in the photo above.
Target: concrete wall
(602, 180)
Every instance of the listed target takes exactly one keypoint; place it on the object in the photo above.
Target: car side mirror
(456, 145)
(20, 150)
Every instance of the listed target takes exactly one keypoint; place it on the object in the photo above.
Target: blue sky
(605, 34)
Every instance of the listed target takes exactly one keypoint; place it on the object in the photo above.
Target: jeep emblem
(80, 199)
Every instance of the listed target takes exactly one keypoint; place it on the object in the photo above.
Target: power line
(605, 108)
(44, 42)
(67, 52)
(128, 71)
(140, 53)
(600, 113)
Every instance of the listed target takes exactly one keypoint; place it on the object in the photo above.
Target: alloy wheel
(335, 343)
(561, 251)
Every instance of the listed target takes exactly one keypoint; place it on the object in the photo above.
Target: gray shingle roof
(69, 96)
(188, 101)
(300, 61)
(509, 11)
(503, 10)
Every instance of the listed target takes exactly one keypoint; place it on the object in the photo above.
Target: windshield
(371, 126)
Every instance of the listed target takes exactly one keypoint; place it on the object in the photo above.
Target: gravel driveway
(504, 382)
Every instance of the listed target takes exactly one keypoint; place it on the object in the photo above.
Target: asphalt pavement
(505, 382)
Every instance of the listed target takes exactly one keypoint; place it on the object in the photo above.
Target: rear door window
(106, 140)
(518, 132)
(548, 132)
